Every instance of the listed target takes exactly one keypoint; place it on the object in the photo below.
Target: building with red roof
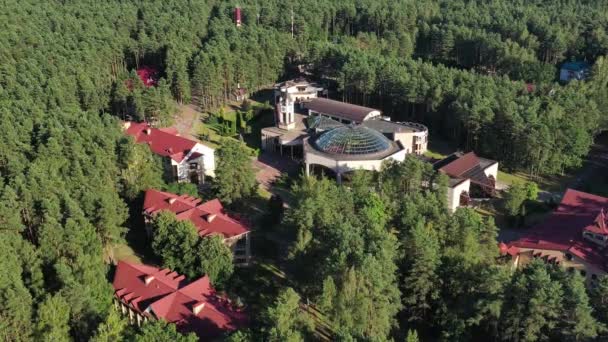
(145, 293)
(188, 160)
(470, 176)
(574, 236)
(148, 75)
(209, 218)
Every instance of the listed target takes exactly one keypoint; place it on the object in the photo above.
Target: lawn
(556, 184)
(122, 251)
(264, 118)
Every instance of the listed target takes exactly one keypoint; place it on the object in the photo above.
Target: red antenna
(237, 16)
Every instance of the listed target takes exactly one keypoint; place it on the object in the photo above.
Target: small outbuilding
(574, 71)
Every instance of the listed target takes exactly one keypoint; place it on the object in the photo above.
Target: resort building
(339, 136)
(348, 147)
(470, 177)
(209, 218)
(185, 160)
(144, 293)
(574, 236)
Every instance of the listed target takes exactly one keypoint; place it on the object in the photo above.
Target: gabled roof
(339, 109)
(465, 166)
(208, 218)
(164, 142)
(563, 230)
(194, 306)
(599, 225)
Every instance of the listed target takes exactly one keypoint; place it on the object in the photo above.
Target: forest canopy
(481, 74)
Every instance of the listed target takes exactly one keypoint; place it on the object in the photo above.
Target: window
(568, 256)
(583, 273)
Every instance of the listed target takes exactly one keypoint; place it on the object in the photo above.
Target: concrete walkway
(270, 166)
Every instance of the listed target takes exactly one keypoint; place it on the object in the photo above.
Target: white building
(300, 113)
(470, 177)
(290, 94)
(344, 148)
(187, 160)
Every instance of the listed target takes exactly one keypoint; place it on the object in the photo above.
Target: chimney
(148, 131)
(198, 306)
(210, 217)
(148, 279)
(172, 200)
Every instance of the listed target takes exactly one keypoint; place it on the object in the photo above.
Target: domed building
(343, 148)
(334, 134)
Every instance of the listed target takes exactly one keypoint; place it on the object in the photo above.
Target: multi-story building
(574, 236)
(144, 293)
(209, 218)
(337, 135)
(185, 160)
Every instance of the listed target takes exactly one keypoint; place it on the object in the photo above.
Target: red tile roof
(164, 142)
(466, 166)
(209, 217)
(563, 230)
(461, 165)
(599, 225)
(170, 297)
(148, 75)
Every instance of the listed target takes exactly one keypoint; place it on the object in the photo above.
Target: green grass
(433, 155)
(509, 178)
(557, 183)
(124, 252)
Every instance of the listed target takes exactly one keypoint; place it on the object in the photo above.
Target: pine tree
(111, 330)
(533, 305)
(285, 319)
(579, 323)
(599, 299)
(412, 336)
(53, 317)
(421, 280)
(161, 331)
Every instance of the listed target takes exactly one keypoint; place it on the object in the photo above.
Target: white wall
(208, 158)
(351, 165)
(576, 262)
(455, 192)
(492, 170)
(372, 114)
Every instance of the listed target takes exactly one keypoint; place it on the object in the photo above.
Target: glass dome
(322, 123)
(355, 140)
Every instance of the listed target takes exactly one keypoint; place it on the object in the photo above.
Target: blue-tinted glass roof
(354, 140)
